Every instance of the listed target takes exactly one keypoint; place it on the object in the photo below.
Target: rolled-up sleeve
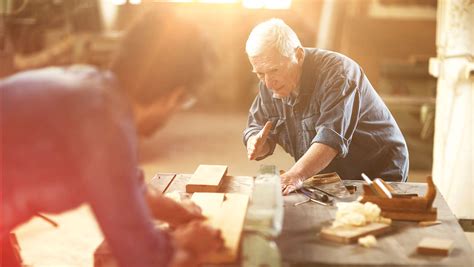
(255, 122)
(340, 110)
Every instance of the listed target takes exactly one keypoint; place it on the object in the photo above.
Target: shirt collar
(291, 99)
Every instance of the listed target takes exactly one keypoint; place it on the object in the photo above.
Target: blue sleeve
(114, 191)
(340, 108)
(74, 133)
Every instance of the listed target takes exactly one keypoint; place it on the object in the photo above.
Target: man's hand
(312, 162)
(256, 144)
(175, 213)
(193, 242)
(290, 183)
(185, 212)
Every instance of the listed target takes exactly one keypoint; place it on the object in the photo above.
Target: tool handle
(381, 188)
(321, 196)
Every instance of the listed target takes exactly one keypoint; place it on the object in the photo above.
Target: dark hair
(159, 52)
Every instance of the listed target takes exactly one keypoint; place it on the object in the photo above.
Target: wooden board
(426, 215)
(227, 213)
(161, 181)
(435, 246)
(299, 245)
(350, 234)
(206, 178)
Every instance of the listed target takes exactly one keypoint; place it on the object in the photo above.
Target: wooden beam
(206, 178)
(227, 213)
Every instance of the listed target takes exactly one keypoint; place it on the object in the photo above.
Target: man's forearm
(313, 161)
(160, 206)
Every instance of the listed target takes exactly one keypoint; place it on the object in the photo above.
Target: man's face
(279, 73)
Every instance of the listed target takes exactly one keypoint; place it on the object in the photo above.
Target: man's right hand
(256, 145)
(193, 242)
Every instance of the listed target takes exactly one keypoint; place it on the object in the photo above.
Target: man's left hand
(290, 183)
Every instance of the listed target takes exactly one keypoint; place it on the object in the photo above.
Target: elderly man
(69, 136)
(321, 108)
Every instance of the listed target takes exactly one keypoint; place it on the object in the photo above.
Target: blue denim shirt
(337, 106)
(60, 152)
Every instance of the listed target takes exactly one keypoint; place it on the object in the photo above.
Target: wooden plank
(210, 204)
(426, 215)
(435, 246)
(206, 178)
(227, 213)
(350, 234)
(179, 183)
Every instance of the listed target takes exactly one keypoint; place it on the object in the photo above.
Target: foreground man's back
(69, 138)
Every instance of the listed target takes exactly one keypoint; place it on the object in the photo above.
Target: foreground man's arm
(166, 209)
(114, 193)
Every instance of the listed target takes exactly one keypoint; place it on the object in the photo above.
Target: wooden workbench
(300, 244)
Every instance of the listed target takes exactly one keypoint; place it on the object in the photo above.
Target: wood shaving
(367, 241)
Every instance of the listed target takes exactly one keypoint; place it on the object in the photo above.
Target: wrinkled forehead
(269, 59)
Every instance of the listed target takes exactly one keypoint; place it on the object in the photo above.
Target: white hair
(273, 33)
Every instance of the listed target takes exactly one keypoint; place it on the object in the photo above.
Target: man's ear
(299, 52)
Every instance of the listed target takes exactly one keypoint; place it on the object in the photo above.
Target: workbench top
(301, 245)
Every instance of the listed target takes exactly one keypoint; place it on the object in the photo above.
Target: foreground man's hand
(193, 242)
(256, 145)
(166, 209)
(185, 212)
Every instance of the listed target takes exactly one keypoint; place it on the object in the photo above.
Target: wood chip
(428, 223)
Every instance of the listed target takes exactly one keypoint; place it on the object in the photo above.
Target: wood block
(227, 213)
(422, 215)
(435, 246)
(350, 234)
(206, 178)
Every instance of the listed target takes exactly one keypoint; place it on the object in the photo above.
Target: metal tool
(315, 197)
(302, 202)
(324, 191)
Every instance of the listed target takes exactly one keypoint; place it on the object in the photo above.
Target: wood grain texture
(161, 181)
(350, 234)
(424, 215)
(401, 207)
(227, 213)
(206, 178)
(301, 245)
